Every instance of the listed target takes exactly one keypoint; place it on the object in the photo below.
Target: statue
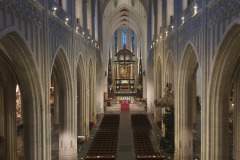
(168, 99)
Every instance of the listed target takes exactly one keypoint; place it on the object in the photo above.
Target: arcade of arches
(119, 79)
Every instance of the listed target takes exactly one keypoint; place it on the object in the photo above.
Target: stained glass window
(115, 35)
(132, 41)
(124, 36)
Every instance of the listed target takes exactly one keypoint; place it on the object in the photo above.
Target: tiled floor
(125, 138)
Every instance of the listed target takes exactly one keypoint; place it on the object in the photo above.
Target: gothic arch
(190, 47)
(81, 98)
(105, 3)
(16, 52)
(159, 78)
(225, 64)
(64, 92)
(62, 50)
(91, 89)
(184, 116)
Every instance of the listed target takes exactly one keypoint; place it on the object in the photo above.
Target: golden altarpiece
(123, 83)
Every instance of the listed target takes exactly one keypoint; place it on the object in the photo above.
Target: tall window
(124, 37)
(189, 2)
(59, 2)
(115, 35)
(132, 41)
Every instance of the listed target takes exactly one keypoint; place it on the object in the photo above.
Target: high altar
(124, 82)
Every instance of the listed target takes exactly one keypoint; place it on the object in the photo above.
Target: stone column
(118, 73)
(131, 72)
(84, 8)
(1, 113)
(67, 139)
(80, 110)
(10, 114)
(56, 101)
(89, 17)
(236, 120)
(87, 113)
(194, 104)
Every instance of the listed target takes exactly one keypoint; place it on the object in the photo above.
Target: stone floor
(125, 137)
(19, 146)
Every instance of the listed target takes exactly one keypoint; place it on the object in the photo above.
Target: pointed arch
(14, 48)
(61, 50)
(91, 93)
(81, 98)
(186, 106)
(225, 64)
(64, 92)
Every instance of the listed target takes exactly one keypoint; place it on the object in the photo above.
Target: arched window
(132, 41)
(115, 35)
(124, 37)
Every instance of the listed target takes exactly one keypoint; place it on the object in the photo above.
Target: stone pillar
(94, 100)
(87, 113)
(90, 99)
(79, 11)
(89, 17)
(67, 137)
(84, 8)
(131, 72)
(194, 104)
(10, 114)
(80, 110)
(56, 102)
(236, 120)
(118, 73)
(1, 113)
(84, 113)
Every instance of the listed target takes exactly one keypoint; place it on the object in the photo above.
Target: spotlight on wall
(54, 8)
(66, 20)
(182, 19)
(172, 26)
(195, 9)
(83, 33)
(166, 33)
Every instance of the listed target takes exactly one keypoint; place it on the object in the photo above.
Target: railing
(190, 12)
(193, 9)
(85, 34)
(59, 12)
